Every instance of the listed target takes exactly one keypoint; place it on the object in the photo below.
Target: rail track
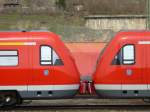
(59, 107)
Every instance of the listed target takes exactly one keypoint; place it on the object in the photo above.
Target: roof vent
(24, 31)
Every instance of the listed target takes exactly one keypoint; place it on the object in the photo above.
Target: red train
(123, 69)
(35, 65)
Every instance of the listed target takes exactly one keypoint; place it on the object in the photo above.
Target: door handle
(129, 72)
(46, 72)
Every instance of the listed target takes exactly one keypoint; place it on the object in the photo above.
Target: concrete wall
(116, 23)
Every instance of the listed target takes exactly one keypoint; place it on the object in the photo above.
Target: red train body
(36, 65)
(123, 67)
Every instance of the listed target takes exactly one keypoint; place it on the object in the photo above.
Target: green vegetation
(61, 3)
(37, 21)
(71, 29)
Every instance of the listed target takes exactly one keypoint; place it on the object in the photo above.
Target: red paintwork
(85, 55)
(29, 71)
(113, 74)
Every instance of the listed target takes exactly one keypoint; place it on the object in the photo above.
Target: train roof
(27, 35)
(133, 35)
(133, 32)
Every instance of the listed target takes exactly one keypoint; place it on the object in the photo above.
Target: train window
(9, 58)
(125, 56)
(46, 55)
(128, 54)
(118, 59)
(56, 59)
(49, 56)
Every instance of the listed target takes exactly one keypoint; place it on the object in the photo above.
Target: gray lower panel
(48, 94)
(108, 93)
(123, 94)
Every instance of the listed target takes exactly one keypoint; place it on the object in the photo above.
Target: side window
(46, 55)
(49, 56)
(126, 56)
(9, 58)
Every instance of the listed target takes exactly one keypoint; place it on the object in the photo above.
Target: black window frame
(128, 59)
(52, 63)
(121, 61)
(10, 56)
(45, 60)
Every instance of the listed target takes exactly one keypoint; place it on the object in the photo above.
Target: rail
(58, 107)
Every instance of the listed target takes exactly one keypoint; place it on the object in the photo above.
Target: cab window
(49, 57)
(126, 56)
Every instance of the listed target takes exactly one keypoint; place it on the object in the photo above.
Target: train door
(147, 68)
(41, 82)
(131, 65)
(44, 59)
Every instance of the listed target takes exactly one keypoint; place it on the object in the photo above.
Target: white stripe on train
(41, 87)
(122, 87)
(144, 42)
(30, 43)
